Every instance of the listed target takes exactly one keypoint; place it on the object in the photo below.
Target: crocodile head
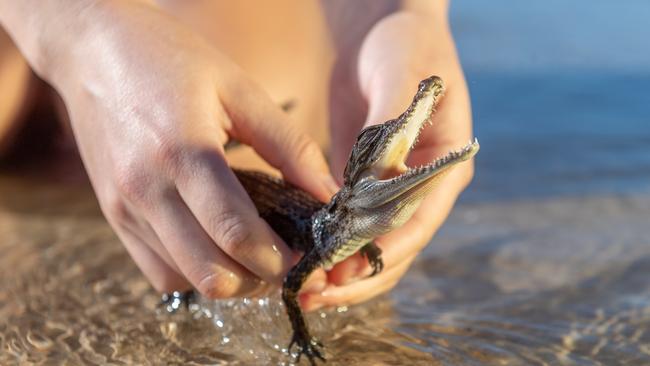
(379, 182)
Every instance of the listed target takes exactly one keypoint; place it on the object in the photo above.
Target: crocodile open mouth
(416, 182)
(387, 179)
(407, 128)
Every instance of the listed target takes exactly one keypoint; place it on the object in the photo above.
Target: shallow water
(531, 281)
(545, 260)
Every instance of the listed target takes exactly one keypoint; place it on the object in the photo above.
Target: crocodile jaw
(381, 152)
(407, 130)
(408, 188)
(380, 191)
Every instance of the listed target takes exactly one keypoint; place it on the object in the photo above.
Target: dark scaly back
(285, 207)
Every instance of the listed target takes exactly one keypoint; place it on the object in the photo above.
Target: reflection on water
(552, 281)
(545, 261)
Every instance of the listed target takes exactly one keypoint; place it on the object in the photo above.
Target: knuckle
(132, 182)
(181, 159)
(217, 285)
(116, 209)
(171, 155)
(306, 148)
(232, 233)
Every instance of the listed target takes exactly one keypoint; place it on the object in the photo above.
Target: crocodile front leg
(292, 283)
(373, 253)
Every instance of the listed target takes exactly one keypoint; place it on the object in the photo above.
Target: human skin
(375, 86)
(14, 86)
(151, 105)
(152, 110)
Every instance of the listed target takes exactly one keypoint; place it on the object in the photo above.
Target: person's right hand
(151, 106)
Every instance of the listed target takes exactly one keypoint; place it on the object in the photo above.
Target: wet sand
(545, 260)
(560, 281)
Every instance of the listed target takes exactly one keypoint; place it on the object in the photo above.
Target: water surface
(545, 260)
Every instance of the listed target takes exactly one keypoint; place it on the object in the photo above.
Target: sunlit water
(531, 281)
(545, 260)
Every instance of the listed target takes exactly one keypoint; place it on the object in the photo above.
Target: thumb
(259, 123)
(388, 96)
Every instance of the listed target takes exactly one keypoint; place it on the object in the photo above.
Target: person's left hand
(397, 53)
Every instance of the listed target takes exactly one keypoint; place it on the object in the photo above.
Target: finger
(359, 291)
(397, 245)
(258, 122)
(151, 239)
(411, 238)
(120, 215)
(451, 126)
(161, 276)
(212, 272)
(315, 283)
(388, 99)
(347, 109)
(226, 213)
(389, 94)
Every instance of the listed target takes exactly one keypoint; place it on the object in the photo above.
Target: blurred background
(560, 95)
(544, 261)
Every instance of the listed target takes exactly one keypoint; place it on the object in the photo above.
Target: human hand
(397, 53)
(151, 106)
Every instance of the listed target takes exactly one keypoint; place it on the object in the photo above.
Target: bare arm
(151, 106)
(45, 31)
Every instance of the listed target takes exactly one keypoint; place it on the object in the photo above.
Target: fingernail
(331, 185)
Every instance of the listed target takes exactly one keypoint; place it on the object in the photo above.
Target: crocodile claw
(377, 266)
(308, 347)
(373, 253)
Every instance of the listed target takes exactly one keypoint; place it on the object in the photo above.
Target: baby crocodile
(379, 194)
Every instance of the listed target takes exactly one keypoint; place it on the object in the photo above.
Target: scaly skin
(379, 194)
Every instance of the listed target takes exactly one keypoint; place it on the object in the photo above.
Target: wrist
(58, 37)
(44, 31)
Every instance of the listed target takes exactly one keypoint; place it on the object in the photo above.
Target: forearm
(50, 33)
(41, 28)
